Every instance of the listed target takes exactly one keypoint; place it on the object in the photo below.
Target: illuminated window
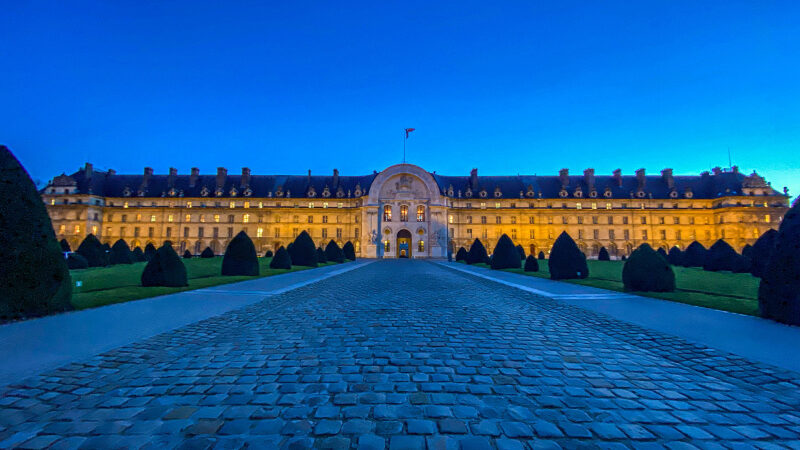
(403, 213)
(216, 217)
(62, 229)
(483, 205)
(152, 218)
(310, 204)
(608, 205)
(386, 246)
(232, 204)
(766, 218)
(260, 232)
(387, 213)
(578, 205)
(497, 204)
(421, 246)
(340, 205)
(450, 219)
(188, 204)
(325, 204)
(125, 205)
(94, 229)
(594, 205)
(246, 204)
(246, 218)
(53, 201)
(77, 229)
(169, 218)
(260, 204)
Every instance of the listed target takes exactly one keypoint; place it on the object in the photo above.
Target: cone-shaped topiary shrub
(333, 252)
(281, 260)
(121, 253)
(541, 255)
(747, 251)
(349, 251)
(34, 278)
(207, 253)
(76, 261)
(521, 252)
(505, 254)
(269, 254)
(93, 251)
(695, 255)
(302, 251)
(321, 258)
(477, 253)
(187, 254)
(566, 259)
(762, 249)
(624, 258)
(165, 269)
(150, 251)
(240, 257)
(461, 254)
(663, 253)
(138, 254)
(646, 270)
(531, 264)
(721, 256)
(65, 245)
(675, 256)
(779, 291)
(602, 255)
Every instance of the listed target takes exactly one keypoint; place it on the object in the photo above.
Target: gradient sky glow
(507, 87)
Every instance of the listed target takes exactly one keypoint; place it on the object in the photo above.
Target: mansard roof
(704, 186)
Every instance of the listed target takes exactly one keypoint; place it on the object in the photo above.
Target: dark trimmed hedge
(65, 245)
(34, 278)
(647, 270)
(531, 264)
(269, 254)
(695, 255)
(333, 252)
(461, 254)
(138, 254)
(93, 251)
(207, 253)
(303, 251)
(281, 260)
(321, 258)
(505, 255)
(602, 255)
(675, 256)
(121, 253)
(240, 257)
(477, 253)
(541, 255)
(150, 251)
(566, 259)
(747, 251)
(663, 253)
(187, 254)
(521, 252)
(721, 256)
(349, 251)
(76, 261)
(165, 269)
(762, 249)
(779, 291)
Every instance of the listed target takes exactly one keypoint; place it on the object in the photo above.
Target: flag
(409, 130)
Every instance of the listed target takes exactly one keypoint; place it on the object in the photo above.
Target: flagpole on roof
(405, 138)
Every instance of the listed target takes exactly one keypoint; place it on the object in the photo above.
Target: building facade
(406, 211)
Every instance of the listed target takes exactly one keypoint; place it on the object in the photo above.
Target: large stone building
(408, 211)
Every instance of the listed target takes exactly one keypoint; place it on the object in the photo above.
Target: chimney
(87, 170)
(640, 178)
(716, 170)
(335, 178)
(193, 177)
(735, 169)
(563, 176)
(245, 177)
(148, 173)
(173, 175)
(309, 177)
(111, 173)
(222, 174)
(666, 175)
(588, 178)
(473, 179)
(618, 177)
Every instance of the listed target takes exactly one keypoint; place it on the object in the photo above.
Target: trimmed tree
(150, 251)
(207, 253)
(138, 254)
(268, 254)
(541, 255)
(76, 261)
(281, 260)
(779, 291)
(566, 259)
(165, 269)
(646, 270)
(721, 256)
(65, 245)
(93, 251)
(121, 253)
(187, 254)
(461, 254)
(333, 252)
(675, 256)
(302, 251)
(477, 253)
(34, 277)
(695, 255)
(662, 252)
(349, 251)
(602, 255)
(747, 251)
(531, 264)
(505, 255)
(521, 252)
(240, 257)
(762, 249)
(321, 258)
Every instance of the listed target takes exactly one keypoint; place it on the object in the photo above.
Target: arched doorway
(403, 244)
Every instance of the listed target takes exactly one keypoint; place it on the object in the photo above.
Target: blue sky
(507, 87)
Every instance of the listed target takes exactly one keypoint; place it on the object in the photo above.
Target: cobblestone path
(406, 355)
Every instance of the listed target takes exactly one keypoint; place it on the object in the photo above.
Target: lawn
(121, 283)
(726, 291)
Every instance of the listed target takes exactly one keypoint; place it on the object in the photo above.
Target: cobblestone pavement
(404, 355)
